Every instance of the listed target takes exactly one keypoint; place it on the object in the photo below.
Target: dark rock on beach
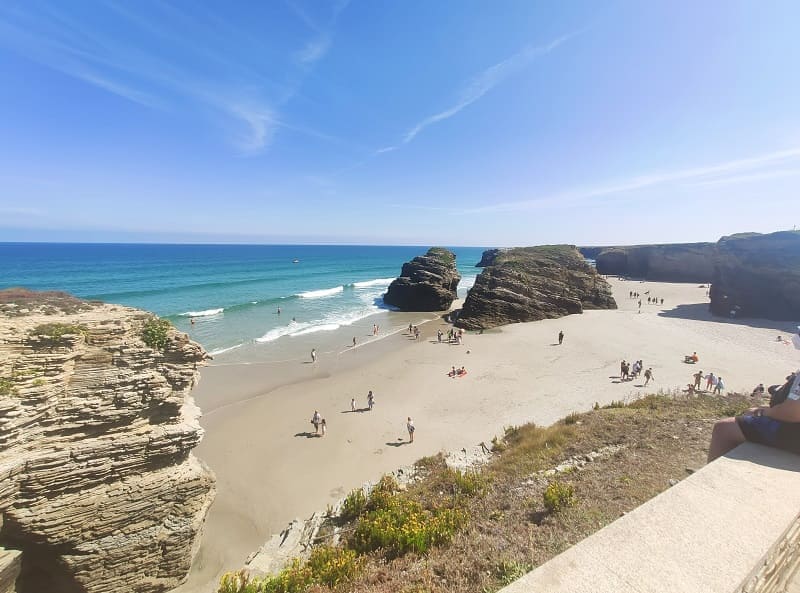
(758, 276)
(532, 283)
(426, 283)
(679, 262)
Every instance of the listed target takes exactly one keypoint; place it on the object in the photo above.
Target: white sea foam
(206, 313)
(330, 322)
(222, 350)
(467, 282)
(325, 327)
(376, 282)
(325, 292)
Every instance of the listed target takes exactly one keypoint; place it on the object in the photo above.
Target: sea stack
(426, 283)
(758, 276)
(532, 283)
(99, 490)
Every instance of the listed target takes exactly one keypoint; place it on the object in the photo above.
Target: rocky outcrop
(98, 488)
(679, 262)
(758, 276)
(488, 257)
(426, 283)
(532, 283)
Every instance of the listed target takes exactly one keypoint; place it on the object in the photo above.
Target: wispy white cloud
(726, 172)
(735, 179)
(485, 81)
(314, 50)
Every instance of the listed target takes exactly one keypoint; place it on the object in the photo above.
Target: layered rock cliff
(426, 283)
(758, 276)
(679, 262)
(532, 283)
(98, 487)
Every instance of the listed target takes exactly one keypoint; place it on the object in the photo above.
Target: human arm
(787, 411)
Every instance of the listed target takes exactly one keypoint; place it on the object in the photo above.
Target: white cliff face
(98, 487)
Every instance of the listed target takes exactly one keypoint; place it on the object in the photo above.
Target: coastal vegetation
(155, 332)
(544, 489)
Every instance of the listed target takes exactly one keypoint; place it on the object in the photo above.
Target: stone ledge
(731, 527)
(10, 565)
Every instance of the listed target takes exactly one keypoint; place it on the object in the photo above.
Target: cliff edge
(679, 262)
(532, 283)
(98, 487)
(426, 283)
(758, 276)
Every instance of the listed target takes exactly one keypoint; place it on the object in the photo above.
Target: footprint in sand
(337, 492)
(378, 452)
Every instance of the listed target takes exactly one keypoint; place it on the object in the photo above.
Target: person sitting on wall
(776, 425)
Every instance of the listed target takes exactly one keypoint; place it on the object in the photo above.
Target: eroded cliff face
(532, 283)
(758, 276)
(680, 262)
(98, 487)
(426, 283)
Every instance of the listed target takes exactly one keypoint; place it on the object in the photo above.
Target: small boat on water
(295, 261)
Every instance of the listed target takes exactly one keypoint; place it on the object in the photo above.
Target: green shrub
(571, 418)
(327, 565)
(56, 331)
(7, 387)
(331, 565)
(469, 483)
(558, 495)
(402, 526)
(155, 332)
(617, 403)
(382, 494)
(353, 505)
(508, 571)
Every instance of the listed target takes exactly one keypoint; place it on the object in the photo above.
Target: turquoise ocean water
(232, 291)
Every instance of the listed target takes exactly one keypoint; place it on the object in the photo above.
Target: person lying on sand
(691, 358)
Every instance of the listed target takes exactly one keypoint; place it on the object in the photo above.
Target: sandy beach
(271, 468)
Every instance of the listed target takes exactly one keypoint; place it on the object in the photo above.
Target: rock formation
(98, 488)
(532, 283)
(679, 262)
(488, 257)
(426, 283)
(758, 276)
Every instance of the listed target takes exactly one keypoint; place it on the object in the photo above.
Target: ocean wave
(467, 282)
(206, 313)
(223, 350)
(328, 323)
(376, 282)
(325, 292)
(325, 327)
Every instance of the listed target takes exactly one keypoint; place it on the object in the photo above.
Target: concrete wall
(731, 527)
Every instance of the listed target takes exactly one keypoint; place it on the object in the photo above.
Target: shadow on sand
(308, 435)
(398, 443)
(700, 312)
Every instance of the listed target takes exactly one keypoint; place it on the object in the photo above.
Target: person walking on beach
(710, 381)
(410, 427)
(316, 419)
(719, 386)
(560, 337)
(324, 426)
(648, 375)
(354, 341)
(370, 400)
(191, 319)
(353, 404)
(313, 355)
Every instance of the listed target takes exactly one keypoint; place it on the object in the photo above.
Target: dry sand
(270, 468)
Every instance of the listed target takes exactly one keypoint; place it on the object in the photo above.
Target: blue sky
(461, 123)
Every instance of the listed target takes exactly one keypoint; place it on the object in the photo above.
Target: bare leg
(725, 436)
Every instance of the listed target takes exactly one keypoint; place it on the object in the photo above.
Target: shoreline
(269, 470)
